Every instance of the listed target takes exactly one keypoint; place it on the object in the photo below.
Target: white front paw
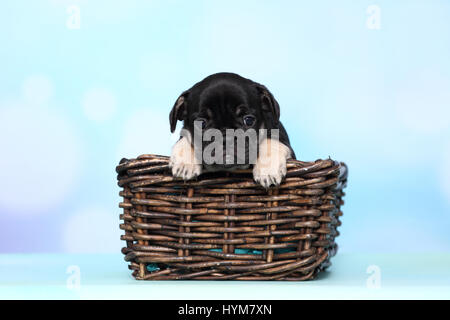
(270, 167)
(186, 171)
(182, 161)
(269, 174)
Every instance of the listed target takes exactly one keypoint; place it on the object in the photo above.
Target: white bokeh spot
(423, 105)
(92, 230)
(41, 159)
(146, 131)
(99, 104)
(37, 89)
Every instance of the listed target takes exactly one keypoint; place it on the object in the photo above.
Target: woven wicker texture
(224, 226)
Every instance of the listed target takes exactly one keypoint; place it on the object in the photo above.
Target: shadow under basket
(224, 226)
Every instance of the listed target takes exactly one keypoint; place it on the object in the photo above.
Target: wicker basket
(223, 226)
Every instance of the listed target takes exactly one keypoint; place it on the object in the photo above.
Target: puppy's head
(222, 104)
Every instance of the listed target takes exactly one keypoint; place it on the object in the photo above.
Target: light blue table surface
(106, 276)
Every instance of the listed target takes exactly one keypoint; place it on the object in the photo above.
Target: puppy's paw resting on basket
(270, 167)
(182, 160)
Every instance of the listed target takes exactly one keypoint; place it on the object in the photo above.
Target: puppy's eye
(200, 122)
(249, 120)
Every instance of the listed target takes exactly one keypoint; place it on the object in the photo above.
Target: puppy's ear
(179, 111)
(269, 104)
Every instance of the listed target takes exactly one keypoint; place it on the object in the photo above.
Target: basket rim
(155, 159)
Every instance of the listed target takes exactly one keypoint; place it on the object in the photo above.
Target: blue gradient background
(377, 99)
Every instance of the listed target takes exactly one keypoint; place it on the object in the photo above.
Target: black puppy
(225, 101)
